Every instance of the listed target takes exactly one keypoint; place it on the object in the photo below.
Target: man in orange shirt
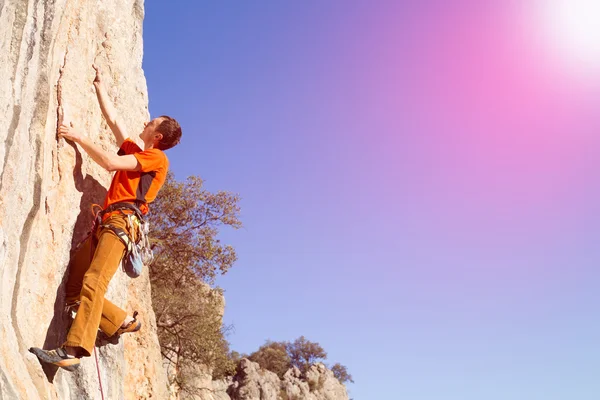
(139, 175)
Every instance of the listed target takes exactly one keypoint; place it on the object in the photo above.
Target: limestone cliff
(47, 185)
(255, 383)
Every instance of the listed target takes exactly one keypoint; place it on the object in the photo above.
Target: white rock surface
(47, 186)
(255, 383)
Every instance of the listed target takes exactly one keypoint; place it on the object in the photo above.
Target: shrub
(341, 373)
(273, 357)
(303, 353)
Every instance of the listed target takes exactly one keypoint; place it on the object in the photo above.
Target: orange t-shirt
(142, 185)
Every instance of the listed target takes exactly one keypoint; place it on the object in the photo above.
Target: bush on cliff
(279, 357)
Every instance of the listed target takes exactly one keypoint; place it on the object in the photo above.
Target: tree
(303, 353)
(279, 357)
(341, 373)
(185, 221)
(272, 356)
(227, 365)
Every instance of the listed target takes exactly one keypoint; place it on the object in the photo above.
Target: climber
(140, 173)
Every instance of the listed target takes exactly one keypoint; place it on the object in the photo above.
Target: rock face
(206, 388)
(254, 383)
(47, 186)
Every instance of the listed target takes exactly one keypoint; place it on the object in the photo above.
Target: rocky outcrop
(47, 185)
(322, 384)
(254, 383)
(204, 387)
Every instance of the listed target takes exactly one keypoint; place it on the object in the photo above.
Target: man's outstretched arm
(108, 161)
(109, 112)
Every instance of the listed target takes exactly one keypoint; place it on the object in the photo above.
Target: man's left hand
(69, 133)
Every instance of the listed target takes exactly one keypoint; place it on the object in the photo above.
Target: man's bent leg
(105, 263)
(112, 318)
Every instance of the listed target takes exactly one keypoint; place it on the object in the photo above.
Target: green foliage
(227, 365)
(185, 220)
(341, 373)
(303, 353)
(272, 356)
(236, 357)
(279, 357)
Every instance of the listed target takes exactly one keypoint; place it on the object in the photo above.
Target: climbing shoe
(58, 357)
(133, 326)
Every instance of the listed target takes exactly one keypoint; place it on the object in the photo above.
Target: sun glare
(573, 29)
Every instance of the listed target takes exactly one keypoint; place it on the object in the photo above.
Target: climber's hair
(171, 132)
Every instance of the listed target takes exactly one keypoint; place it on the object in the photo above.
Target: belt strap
(123, 206)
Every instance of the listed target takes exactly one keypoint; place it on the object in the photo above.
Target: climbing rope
(98, 369)
(97, 221)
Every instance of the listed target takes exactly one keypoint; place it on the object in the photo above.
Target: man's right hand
(108, 111)
(98, 78)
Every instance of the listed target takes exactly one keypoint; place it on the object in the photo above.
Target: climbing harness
(137, 253)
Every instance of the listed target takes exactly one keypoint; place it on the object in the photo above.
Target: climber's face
(149, 135)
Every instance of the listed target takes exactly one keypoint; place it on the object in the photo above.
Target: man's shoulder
(129, 147)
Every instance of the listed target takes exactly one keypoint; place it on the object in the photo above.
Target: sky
(419, 183)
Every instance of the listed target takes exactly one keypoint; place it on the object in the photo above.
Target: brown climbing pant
(88, 281)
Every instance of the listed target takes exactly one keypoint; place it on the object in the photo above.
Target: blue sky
(419, 195)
